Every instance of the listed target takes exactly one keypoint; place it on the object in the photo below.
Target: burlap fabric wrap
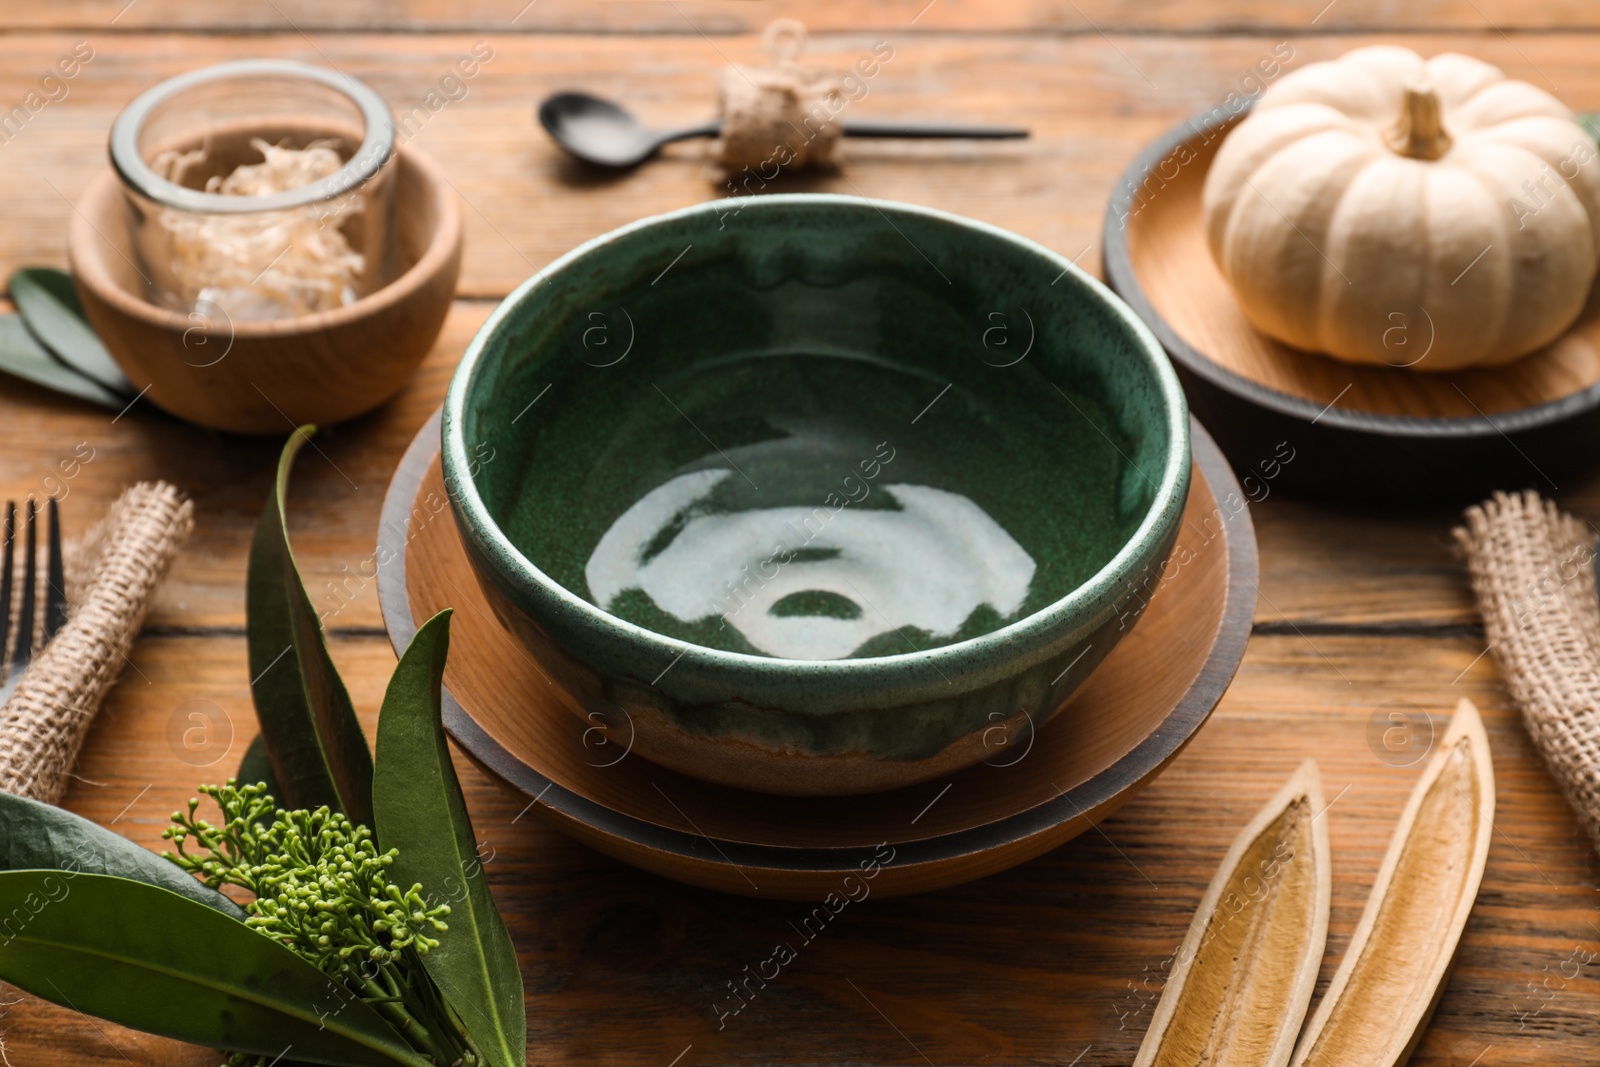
(1532, 569)
(110, 582)
(780, 115)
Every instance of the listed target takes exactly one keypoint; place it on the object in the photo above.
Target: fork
(54, 591)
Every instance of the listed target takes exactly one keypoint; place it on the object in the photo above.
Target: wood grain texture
(1092, 104)
(1362, 614)
(1030, 966)
(743, 16)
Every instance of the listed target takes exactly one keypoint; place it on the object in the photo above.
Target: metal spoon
(602, 133)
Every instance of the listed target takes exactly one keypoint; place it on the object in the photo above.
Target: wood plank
(722, 17)
(1059, 957)
(1091, 107)
(1322, 566)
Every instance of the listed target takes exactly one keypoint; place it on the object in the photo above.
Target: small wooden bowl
(1136, 712)
(268, 377)
(1356, 432)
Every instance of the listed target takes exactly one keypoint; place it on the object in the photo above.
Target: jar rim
(377, 146)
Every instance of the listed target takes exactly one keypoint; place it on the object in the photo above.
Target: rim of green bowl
(1032, 633)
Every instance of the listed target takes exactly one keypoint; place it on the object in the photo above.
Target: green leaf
(49, 308)
(421, 812)
(318, 753)
(23, 357)
(147, 958)
(256, 766)
(35, 836)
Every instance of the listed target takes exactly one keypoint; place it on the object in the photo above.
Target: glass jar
(258, 189)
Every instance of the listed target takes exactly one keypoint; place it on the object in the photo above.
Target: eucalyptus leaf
(35, 836)
(147, 958)
(22, 356)
(421, 812)
(49, 308)
(318, 753)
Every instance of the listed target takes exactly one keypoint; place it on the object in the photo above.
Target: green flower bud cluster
(234, 847)
(321, 885)
(322, 888)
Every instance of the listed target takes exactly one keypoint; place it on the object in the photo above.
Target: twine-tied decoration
(1532, 569)
(780, 115)
(110, 582)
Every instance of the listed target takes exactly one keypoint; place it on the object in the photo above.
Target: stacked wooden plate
(1293, 419)
(1135, 714)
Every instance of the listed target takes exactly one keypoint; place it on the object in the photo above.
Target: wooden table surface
(1360, 613)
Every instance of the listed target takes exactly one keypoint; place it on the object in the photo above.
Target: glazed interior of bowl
(818, 428)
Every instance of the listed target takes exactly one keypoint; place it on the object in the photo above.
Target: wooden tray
(1352, 431)
(1123, 726)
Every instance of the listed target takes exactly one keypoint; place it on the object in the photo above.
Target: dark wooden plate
(1360, 432)
(1125, 724)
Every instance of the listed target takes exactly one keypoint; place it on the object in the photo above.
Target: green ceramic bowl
(815, 494)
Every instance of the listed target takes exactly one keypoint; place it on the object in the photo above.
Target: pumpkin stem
(1420, 133)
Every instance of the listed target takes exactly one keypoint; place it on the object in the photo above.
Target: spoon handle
(869, 128)
(704, 129)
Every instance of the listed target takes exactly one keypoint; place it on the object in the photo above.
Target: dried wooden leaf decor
(1395, 968)
(1242, 981)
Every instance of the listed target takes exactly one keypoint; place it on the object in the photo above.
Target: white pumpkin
(1385, 209)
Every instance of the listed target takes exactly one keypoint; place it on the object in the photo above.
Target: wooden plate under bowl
(1134, 714)
(1294, 419)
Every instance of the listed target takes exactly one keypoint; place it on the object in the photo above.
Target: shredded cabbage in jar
(273, 265)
